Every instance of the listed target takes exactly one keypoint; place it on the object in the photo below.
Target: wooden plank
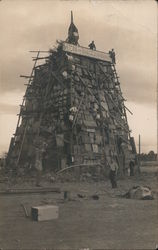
(41, 51)
(78, 109)
(91, 93)
(40, 58)
(30, 191)
(79, 165)
(26, 76)
(25, 210)
(128, 110)
(83, 51)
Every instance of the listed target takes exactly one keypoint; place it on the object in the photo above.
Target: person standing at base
(131, 167)
(38, 166)
(40, 149)
(113, 173)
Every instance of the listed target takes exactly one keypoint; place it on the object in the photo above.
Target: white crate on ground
(45, 212)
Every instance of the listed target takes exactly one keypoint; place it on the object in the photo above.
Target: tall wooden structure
(73, 111)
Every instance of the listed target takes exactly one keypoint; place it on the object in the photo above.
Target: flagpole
(157, 90)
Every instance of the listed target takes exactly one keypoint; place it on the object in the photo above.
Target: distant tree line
(151, 156)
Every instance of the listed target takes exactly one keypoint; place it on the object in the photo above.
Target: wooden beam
(21, 146)
(128, 110)
(78, 110)
(79, 165)
(99, 104)
(29, 191)
(41, 51)
(25, 210)
(26, 76)
(40, 58)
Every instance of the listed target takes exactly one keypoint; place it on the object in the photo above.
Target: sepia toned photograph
(78, 125)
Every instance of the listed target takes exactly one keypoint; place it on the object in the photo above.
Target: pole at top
(139, 155)
(157, 112)
(71, 16)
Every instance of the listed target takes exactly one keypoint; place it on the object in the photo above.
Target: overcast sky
(130, 27)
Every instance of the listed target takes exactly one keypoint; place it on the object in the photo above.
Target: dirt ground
(111, 222)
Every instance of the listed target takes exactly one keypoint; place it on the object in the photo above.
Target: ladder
(23, 102)
(29, 81)
(118, 84)
(78, 109)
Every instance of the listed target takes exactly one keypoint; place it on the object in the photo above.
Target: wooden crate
(46, 212)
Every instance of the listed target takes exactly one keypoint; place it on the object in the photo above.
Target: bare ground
(111, 222)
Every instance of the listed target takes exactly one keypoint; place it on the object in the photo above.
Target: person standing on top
(92, 45)
(112, 55)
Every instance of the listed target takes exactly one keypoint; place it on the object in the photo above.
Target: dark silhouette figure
(112, 55)
(92, 45)
(131, 166)
(113, 173)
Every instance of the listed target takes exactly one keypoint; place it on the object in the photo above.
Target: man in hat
(40, 148)
(131, 167)
(112, 55)
(92, 45)
(113, 173)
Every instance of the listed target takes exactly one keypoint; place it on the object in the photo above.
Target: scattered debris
(25, 210)
(81, 196)
(67, 195)
(95, 197)
(140, 193)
